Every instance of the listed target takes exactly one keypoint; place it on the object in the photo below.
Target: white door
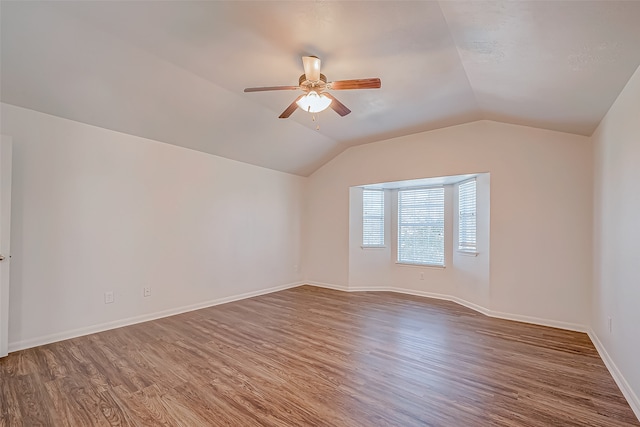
(5, 223)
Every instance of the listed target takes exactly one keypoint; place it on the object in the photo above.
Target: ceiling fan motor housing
(308, 84)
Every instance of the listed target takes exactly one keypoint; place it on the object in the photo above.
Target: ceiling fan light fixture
(314, 103)
(316, 96)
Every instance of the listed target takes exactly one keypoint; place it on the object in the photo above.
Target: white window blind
(372, 218)
(421, 226)
(467, 216)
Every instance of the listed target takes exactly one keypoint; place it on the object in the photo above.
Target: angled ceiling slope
(175, 71)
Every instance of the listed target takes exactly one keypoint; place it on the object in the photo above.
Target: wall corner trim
(622, 383)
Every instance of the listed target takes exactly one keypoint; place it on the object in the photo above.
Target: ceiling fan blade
(336, 105)
(290, 109)
(266, 88)
(311, 66)
(355, 84)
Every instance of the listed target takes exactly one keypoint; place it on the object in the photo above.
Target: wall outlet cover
(108, 297)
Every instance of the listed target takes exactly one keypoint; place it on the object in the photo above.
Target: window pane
(421, 226)
(467, 216)
(373, 218)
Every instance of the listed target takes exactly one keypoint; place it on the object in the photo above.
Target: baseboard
(379, 289)
(328, 286)
(473, 306)
(622, 383)
(576, 327)
(61, 336)
(465, 303)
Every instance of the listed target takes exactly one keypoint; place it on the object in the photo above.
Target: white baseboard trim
(625, 388)
(491, 313)
(329, 286)
(61, 336)
(576, 327)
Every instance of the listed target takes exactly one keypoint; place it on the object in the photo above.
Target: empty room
(319, 213)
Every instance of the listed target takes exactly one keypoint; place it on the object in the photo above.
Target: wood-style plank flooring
(316, 357)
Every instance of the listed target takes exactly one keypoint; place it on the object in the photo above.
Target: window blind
(372, 218)
(467, 216)
(421, 226)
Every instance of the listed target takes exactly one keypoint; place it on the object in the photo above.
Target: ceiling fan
(314, 85)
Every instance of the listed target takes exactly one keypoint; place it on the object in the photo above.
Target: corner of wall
(625, 387)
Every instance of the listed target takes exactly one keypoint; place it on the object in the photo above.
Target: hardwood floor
(316, 357)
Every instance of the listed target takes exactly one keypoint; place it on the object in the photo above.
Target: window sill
(467, 253)
(406, 264)
(373, 247)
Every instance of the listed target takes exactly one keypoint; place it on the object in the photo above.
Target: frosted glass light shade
(314, 103)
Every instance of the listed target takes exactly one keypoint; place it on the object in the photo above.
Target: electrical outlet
(609, 323)
(146, 291)
(422, 275)
(108, 297)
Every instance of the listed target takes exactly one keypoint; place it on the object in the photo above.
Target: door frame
(6, 146)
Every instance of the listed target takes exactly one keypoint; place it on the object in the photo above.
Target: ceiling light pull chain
(313, 117)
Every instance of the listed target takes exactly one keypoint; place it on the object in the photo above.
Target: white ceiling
(175, 71)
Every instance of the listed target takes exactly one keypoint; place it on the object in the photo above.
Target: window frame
(466, 247)
(380, 217)
(399, 226)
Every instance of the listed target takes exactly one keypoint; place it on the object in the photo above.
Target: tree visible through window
(421, 226)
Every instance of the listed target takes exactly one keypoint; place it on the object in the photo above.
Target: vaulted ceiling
(175, 71)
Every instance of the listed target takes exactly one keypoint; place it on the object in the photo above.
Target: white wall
(96, 210)
(616, 290)
(541, 210)
(368, 267)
